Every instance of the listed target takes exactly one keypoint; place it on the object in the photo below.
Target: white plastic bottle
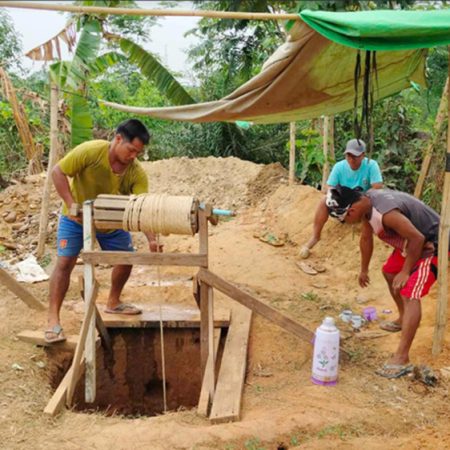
(326, 354)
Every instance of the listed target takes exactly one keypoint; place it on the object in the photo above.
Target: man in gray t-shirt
(411, 228)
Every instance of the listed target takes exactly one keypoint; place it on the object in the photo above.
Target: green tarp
(312, 75)
(382, 29)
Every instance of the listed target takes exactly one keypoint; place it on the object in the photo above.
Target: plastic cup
(370, 313)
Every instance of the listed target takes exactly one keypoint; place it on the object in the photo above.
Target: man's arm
(376, 185)
(397, 222)
(153, 242)
(366, 248)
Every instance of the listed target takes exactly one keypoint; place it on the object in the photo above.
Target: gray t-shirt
(424, 218)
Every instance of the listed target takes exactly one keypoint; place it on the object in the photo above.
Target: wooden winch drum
(156, 213)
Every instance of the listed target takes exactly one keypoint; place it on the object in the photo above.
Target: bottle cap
(328, 324)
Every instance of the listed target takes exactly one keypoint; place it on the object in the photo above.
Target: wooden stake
(148, 12)
(291, 153)
(440, 116)
(43, 221)
(326, 164)
(444, 228)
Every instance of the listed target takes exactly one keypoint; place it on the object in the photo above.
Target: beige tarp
(308, 76)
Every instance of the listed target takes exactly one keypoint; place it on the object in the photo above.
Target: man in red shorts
(411, 228)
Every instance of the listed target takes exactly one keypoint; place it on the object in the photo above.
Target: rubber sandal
(305, 267)
(124, 308)
(392, 371)
(57, 331)
(392, 327)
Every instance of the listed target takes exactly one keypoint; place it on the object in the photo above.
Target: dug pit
(130, 381)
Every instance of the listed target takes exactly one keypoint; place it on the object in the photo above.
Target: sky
(36, 27)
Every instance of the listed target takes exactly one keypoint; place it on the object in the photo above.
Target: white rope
(159, 213)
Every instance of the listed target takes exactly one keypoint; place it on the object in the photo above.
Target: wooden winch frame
(203, 289)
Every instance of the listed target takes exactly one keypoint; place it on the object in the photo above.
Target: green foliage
(310, 158)
(10, 44)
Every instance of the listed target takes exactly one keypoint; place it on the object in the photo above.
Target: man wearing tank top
(411, 228)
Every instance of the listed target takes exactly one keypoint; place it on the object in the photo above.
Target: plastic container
(326, 354)
(370, 313)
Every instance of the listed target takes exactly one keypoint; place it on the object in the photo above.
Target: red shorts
(422, 277)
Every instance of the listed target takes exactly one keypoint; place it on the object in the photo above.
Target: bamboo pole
(331, 141)
(43, 221)
(440, 116)
(148, 12)
(326, 164)
(444, 228)
(291, 153)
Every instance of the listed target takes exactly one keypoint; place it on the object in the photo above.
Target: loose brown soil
(281, 407)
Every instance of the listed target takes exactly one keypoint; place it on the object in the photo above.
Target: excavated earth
(281, 407)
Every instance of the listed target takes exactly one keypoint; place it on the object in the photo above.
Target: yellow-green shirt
(88, 166)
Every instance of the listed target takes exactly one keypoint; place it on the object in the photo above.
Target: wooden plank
(204, 399)
(204, 305)
(105, 203)
(16, 288)
(108, 215)
(113, 197)
(227, 402)
(81, 344)
(103, 225)
(99, 324)
(147, 258)
(255, 305)
(173, 316)
(36, 337)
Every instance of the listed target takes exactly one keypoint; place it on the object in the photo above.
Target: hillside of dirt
(281, 407)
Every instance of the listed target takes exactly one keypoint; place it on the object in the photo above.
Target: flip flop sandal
(57, 333)
(305, 267)
(124, 308)
(392, 371)
(390, 326)
(319, 268)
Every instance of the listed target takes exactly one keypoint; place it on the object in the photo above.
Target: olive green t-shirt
(91, 174)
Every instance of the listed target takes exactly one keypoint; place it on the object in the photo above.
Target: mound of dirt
(266, 182)
(220, 181)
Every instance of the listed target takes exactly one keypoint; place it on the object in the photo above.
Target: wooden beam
(37, 338)
(160, 259)
(255, 305)
(16, 288)
(108, 215)
(444, 228)
(108, 225)
(440, 116)
(326, 164)
(226, 406)
(148, 12)
(81, 344)
(204, 400)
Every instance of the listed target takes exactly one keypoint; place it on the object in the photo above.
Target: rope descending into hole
(161, 213)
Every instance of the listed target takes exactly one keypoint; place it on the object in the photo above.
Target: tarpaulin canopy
(312, 73)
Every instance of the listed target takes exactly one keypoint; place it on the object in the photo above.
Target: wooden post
(444, 228)
(331, 141)
(15, 287)
(440, 116)
(291, 153)
(89, 281)
(43, 221)
(326, 164)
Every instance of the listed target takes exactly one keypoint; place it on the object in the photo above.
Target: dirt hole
(130, 382)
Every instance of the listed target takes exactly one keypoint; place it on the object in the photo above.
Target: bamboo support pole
(148, 12)
(291, 153)
(444, 228)
(326, 164)
(440, 116)
(43, 221)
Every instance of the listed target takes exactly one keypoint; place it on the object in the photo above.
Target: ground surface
(280, 405)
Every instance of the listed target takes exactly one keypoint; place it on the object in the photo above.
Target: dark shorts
(422, 277)
(70, 239)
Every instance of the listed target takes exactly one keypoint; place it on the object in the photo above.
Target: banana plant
(88, 63)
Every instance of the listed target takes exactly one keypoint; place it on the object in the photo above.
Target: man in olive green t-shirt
(96, 167)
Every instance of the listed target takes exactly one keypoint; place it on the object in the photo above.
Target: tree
(10, 44)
